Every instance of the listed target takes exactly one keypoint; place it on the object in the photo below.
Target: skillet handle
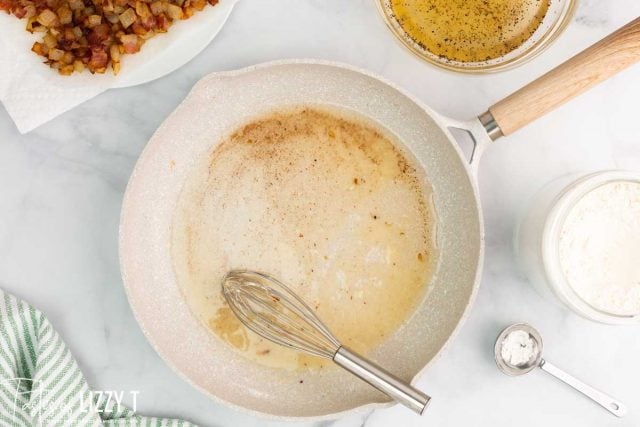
(393, 387)
(588, 68)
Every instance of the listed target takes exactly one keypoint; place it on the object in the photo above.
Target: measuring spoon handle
(609, 403)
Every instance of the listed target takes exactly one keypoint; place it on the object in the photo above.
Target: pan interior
(217, 105)
(322, 199)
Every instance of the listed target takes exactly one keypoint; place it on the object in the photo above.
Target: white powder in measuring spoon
(600, 248)
(518, 348)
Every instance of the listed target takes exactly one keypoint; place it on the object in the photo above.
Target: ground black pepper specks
(468, 30)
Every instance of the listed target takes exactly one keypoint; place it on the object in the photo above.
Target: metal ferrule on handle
(490, 125)
(393, 387)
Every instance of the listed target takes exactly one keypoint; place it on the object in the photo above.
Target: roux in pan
(321, 199)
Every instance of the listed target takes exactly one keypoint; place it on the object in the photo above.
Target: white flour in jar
(600, 248)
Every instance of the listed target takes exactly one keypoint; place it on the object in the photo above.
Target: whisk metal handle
(393, 387)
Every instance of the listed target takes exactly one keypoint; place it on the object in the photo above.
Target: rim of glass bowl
(536, 47)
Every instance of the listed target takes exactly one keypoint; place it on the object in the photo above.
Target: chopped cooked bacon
(79, 34)
(138, 29)
(130, 43)
(19, 12)
(149, 22)
(99, 34)
(99, 60)
(163, 23)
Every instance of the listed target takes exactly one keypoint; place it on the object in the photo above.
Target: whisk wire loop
(270, 309)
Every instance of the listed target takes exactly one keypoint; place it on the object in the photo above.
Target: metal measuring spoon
(612, 405)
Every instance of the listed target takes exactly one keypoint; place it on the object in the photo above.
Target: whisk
(269, 308)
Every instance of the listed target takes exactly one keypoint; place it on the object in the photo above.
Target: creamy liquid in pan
(322, 200)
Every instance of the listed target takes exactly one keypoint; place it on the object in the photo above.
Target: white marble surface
(61, 188)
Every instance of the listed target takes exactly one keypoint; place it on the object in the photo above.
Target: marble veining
(61, 189)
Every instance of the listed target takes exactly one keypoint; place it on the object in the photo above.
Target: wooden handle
(588, 68)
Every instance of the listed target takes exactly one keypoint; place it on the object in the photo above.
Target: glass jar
(537, 240)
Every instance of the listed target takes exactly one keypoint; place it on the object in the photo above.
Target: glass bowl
(555, 20)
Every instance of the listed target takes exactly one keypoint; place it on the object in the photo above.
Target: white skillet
(220, 103)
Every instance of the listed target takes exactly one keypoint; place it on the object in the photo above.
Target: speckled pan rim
(441, 121)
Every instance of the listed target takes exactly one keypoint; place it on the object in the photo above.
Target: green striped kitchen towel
(41, 383)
